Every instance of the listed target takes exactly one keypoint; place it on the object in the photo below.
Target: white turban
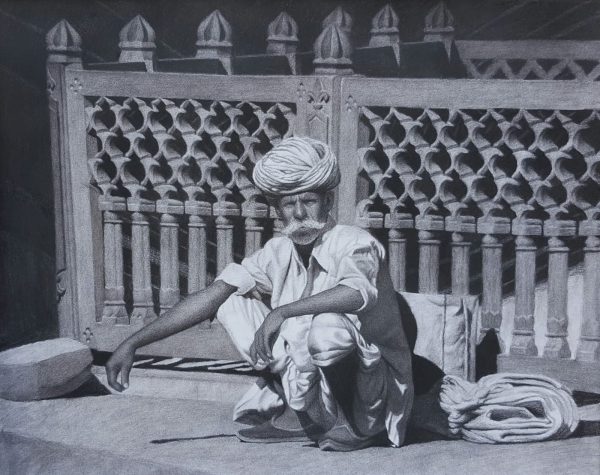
(296, 165)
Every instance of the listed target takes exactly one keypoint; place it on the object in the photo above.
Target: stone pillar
(63, 46)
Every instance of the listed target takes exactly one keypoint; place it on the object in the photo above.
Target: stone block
(44, 369)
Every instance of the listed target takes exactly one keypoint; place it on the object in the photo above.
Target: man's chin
(303, 239)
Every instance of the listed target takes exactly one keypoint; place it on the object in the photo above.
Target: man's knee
(329, 338)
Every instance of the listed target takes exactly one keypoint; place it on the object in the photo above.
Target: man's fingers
(111, 376)
(253, 354)
(125, 376)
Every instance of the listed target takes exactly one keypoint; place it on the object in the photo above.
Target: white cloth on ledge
(508, 408)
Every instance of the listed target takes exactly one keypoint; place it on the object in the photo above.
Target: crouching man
(332, 336)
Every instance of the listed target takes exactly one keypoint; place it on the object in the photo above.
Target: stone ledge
(197, 386)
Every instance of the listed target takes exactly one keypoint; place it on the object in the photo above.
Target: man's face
(304, 215)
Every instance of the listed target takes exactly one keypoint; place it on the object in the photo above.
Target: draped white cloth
(296, 165)
(508, 408)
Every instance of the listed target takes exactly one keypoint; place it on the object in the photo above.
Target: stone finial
(63, 44)
(283, 35)
(384, 29)
(439, 25)
(137, 41)
(214, 39)
(339, 17)
(333, 51)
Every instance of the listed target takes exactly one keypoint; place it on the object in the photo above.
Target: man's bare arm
(188, 312)
(339, 299)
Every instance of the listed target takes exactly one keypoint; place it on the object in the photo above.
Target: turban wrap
(508, 408)
(297, 165)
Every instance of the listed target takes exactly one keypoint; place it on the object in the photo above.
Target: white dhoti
(305, 348)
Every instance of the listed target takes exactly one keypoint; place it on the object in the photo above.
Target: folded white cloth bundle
(508, 408)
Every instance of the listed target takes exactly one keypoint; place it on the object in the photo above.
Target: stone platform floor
(116, 434)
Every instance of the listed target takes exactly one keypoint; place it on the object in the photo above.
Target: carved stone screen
(174, 178)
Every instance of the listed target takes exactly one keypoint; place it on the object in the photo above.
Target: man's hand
(121, 361)
(265, 337)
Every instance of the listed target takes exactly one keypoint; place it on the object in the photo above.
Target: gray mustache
(294, 226)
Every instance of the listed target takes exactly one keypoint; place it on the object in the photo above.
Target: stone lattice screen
(174, 177)
(488, 187)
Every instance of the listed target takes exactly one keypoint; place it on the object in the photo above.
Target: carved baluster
(224, 212)
(589, 344)
(558, 275)
(397, 258)
(523, 342)
(224, 242)
(429, 262)
(397, 224)
(196, 253)
(460, 264)
(169, 253)
(214, 40)
(254, 231)
(114, 291)
(143, 307)
(491, 312)
(460, 227)
(254, 213)
(429, 252)
(137, 43)
(277, 223)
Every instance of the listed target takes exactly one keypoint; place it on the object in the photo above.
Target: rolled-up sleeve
(250, 274)
(359, 268)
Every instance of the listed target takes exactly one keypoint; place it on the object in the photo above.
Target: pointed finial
(439, 18)
(339, 17)
(137, 41)
(283, 35)
(63, 44)
(439, 26)
(214, 39)
(333, 51)
(214, 30)
(384, 29)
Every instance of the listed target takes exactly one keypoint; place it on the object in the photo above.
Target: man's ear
(273, 202)
(329, 200)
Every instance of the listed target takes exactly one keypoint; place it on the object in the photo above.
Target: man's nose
(299, 210)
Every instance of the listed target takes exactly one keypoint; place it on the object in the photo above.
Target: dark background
(27, 273)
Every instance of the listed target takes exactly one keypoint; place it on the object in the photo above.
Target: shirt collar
(318, 252)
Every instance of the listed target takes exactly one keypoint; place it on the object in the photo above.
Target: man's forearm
(340, 299)
(188, 312)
